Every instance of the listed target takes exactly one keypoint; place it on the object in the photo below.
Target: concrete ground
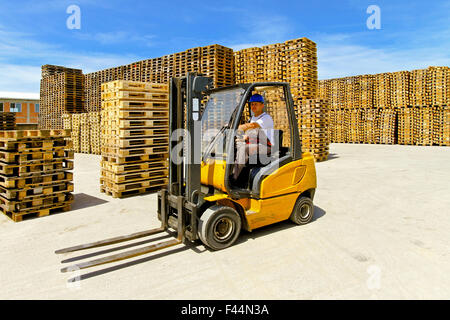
(381, 231)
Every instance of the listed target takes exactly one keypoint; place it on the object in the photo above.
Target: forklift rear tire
(303, 211)
(219, 227)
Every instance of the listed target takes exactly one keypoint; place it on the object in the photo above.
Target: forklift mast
(178, 205)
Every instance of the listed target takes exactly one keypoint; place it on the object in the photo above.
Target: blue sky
(413, 34)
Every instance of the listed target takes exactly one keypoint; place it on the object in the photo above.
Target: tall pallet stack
(371, 132)
(249, 65)
(7, 120)
(35, 180)
(423, 126)
(401, 89)
(406, 126)
(95, 132)
(274, 62)
(438, 86)
(61, 92)
(214, 61)
(75, 134)
(408, 106)
(314, 127)
(135, 119)
(419, 96)
(366, 89)
(341, 126)
(67, 125)
(382, 90)
(355, 126)
(387, 122)
(293, 61)
(85, 133)
(446, 126)
(301, 68)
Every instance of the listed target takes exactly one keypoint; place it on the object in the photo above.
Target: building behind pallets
(135, 137)
(35, 177)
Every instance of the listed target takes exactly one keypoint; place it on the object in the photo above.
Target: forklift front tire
(219, 227)
(303, 211)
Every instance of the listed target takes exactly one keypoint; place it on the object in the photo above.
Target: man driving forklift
(258, 138)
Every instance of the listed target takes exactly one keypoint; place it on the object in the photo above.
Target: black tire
(219, 227)
(303, 211)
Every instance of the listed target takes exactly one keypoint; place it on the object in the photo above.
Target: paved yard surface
(381, 231)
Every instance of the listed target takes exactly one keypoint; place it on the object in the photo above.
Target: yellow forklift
(201, 201)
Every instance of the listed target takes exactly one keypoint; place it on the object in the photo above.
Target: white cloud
(341, 56)
(115, 37)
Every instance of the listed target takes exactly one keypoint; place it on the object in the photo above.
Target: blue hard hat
(256, 98)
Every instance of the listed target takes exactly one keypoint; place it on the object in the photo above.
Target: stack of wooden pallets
(423, 126)
(438, 86)
(75, 133)
(371, 131)
(313, 123)
(401, 90)
(34, 176)
(387, 126)
(7, 120)
(356, 126)
(406, 126)
(419, 96)
(135, 142)
(95, 132)
(214, 61)
(382, 90)
(249, 65)
(85, 133)
(61, 92)
(366, 89)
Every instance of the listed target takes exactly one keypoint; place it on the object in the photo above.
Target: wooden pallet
(138, 142)
(135, 86)
(122, 153)
(133, 185)
(135, 133)
(34, 203)
(144, 105)
(137, 114)
(33, 134)
(135, 95)
(132, 124)
(34, 213)
(158, 163)
(35, 181)
(134, 176)
(35, 168)
(27, 193)
(30, 157)
(130, 193)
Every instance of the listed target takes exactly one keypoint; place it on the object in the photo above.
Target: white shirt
(265, 121)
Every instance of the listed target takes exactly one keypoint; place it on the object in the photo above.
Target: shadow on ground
(332, 156)
(277, 227)
(196, 247)
(83, 200)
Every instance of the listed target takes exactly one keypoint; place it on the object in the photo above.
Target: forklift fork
(135, 252)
